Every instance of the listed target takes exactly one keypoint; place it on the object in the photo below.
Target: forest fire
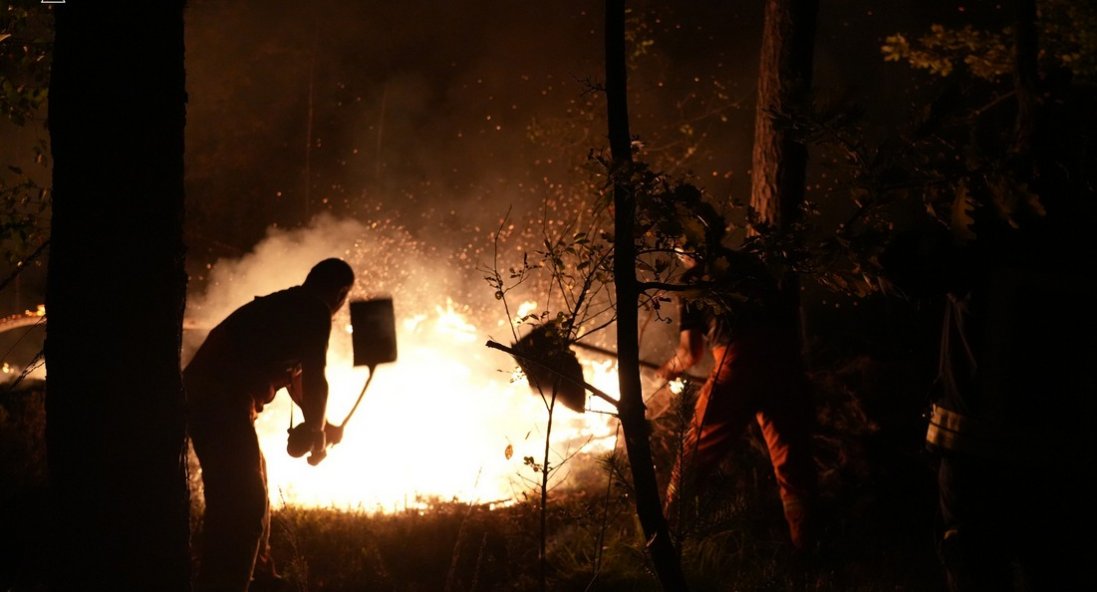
(449, 420)
(435, 425)
(875, 210)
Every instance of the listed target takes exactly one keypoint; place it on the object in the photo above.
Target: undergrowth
(877, 511)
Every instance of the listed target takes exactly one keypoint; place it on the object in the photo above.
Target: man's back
(256, 346)
(737, 300)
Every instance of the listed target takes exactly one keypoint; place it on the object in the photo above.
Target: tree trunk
(115, 296)
(779, 162)
(631, 408)
(1026, 52)
(784, 81)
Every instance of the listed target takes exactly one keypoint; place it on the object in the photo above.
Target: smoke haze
(437, 423)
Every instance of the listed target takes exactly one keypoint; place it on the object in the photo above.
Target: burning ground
(448, 420)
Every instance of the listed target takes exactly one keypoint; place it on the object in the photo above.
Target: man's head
(698, 229)
(331, 280)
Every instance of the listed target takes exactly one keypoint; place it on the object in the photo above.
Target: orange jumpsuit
(757, 374)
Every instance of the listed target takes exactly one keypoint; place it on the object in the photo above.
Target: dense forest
(914, 182)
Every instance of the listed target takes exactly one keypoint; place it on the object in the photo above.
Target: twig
(31, 367)
(499, 278)
(455, 555)
(23, 264)
(545, 468)
(605, 520)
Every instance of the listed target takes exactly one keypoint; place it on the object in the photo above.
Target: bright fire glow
(450, 419)
(524, 309)
(436, 424)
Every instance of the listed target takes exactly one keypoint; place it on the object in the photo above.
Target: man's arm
(314, 391)
(294, 388)
(691, 348)
(314, 383)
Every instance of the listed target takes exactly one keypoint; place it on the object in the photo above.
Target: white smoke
(437, 423)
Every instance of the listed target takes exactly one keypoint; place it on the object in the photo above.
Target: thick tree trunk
(779, 166)
(115, 297)
(1026, 52)
(631, 408)
(784, 81)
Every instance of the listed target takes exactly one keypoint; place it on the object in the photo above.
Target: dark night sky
(440, 116)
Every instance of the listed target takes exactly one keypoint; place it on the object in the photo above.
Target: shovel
(373, 336)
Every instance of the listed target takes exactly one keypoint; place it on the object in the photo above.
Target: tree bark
(649, 509)
(779, 159)
(1025, 74)
(784, 81)
(115, 295)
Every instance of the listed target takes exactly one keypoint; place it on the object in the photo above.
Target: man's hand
(304, 439)
(668, 372)
(319, 446)
(333, 433)
(317, 440)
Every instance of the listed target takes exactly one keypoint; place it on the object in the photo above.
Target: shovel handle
(316, 457)
(360, 395)
(612, 354)
(643, 363)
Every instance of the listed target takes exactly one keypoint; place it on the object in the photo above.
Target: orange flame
(443, 422)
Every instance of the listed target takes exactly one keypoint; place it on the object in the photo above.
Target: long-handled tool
(373, 335)
(658, 401)
(299, 444)
(550, 366)
(643, 363)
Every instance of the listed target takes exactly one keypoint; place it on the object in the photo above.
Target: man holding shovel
(274, 341)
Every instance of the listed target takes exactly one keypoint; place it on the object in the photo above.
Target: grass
(739, 544)
(878, 521)
(878, 536)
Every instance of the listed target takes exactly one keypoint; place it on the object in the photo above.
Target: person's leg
(786, 427)
(977, 525)
(236, 502)
(719, 418)
(265, 570)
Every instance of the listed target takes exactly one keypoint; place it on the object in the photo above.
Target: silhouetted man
(274, 341)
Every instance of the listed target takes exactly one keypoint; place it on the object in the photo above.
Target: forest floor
(877, 517)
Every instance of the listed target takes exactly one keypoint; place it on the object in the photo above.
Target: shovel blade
(374, 331)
